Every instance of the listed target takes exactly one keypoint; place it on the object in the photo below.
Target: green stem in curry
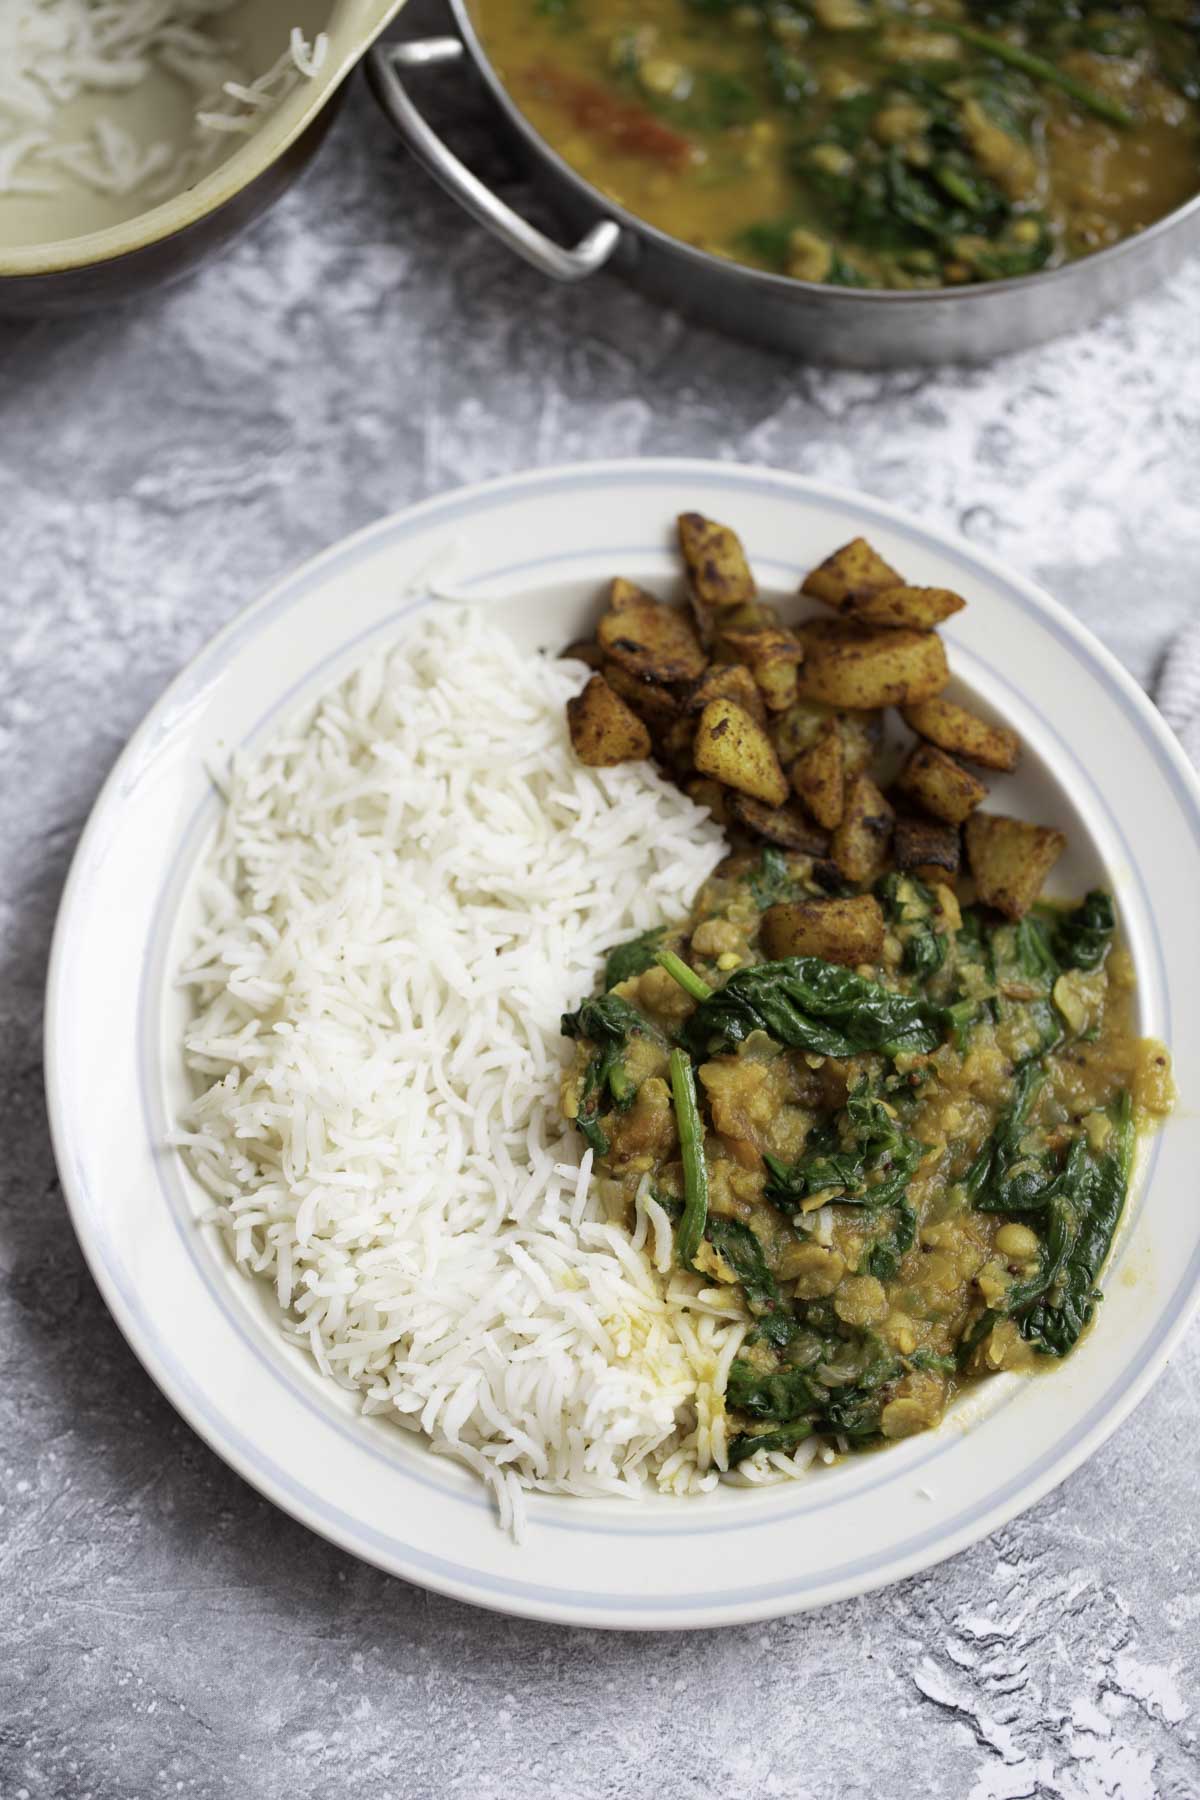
(690, 1229)
(689, 981)
(1040, 70)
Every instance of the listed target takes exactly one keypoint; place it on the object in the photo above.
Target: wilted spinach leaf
(812, 1005)
(633, 957)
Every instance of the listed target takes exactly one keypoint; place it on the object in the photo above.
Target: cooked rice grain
(407, 890)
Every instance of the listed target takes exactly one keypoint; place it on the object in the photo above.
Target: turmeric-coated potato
(727, 681)
(1010, 859)
(732, 748)
(818, 775)
(586, 650)
(850, 575)
(920, 607)
(940, 785)
(868, 668)
(859, 846)
(654, 704)
(797, 730)
(707, 792)
(771, 653)
(675, 746)
(653, 641)
(782, 825)
(718, 572)
(603, 730)
(840, 931)
(931, 852)
(622, 595)
(963, 733)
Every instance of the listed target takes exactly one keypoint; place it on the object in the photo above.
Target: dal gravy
(902, 1220)
(867, 143)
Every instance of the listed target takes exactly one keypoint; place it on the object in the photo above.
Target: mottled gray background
(163, 1630)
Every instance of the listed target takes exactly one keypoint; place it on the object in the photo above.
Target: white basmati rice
(407, 891)
(53, 51)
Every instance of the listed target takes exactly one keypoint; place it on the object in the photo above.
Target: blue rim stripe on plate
(562, 1603)
(152, 1056)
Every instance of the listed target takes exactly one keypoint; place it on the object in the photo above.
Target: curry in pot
(868, 143)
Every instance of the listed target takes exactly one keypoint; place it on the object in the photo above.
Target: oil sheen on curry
(868, 143)
(909, 1171)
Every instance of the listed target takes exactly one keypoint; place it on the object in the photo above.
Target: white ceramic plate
(536, 548)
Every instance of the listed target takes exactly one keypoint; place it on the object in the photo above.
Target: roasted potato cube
(622, 595)
(867, 669)
(1010, 860)
(840, 931)
(707, 792)
(771, 654)
(818, 775)
(859, 846)
(716, 563)
(782, 825)
(751, 615)
(928, 851)
(748, 616)
(940, 785)
(656, 705)
(586, 650)
(851, 574)
(675, 746)
(798, 729)
(920, 607)
(603, 730)
(728, 681)
(652, 641)
(963, 733)
(732, 748)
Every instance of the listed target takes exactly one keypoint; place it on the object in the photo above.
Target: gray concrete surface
(162, 1630)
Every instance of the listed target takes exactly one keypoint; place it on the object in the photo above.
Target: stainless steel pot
(861, 329)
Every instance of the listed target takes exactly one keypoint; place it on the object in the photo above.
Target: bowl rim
(252, 158)
(785, 286)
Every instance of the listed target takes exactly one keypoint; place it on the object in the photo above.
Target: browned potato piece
(586, 650)
(716, 563)
(653, 641)
(928, 851)
(941, 785)
(654, 704)
(748, 616)
(860, 843)
(1010, 860)
(840, 931)
(851, 574)
(782, 825)
(920, 607)
(771, 654)
(622, 595)
(603, 730)
(867, 669)
(707, 792)
(675, 746)
(963, 733)
(751, 615)
(731, 747)
(727, 681)
(798, 729)
(818, 775)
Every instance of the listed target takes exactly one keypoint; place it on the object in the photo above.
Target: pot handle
(383, 69)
